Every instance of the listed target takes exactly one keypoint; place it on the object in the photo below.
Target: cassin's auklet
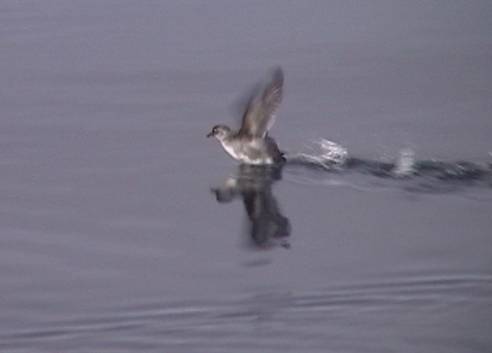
(251, 143)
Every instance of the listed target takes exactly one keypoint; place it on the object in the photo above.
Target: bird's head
(220, 132)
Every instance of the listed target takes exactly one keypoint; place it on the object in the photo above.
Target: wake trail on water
(431, 175)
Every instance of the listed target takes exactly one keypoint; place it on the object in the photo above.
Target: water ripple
(265, 321)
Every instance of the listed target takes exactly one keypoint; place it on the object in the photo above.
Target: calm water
(111, 236)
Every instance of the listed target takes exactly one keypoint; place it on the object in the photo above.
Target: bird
(251, 144)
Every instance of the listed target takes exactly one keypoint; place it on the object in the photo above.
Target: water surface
(112, 239)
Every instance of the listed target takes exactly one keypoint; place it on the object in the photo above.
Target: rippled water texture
(123, 229)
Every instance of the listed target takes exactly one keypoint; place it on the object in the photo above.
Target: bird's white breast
(230, 151)
(238, 155)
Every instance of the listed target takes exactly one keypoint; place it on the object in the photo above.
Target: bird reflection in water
(267, 226)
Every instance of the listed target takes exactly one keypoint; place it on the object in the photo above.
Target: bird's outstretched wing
(260, 112)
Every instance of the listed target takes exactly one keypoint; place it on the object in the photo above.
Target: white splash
(324, 153)
(405, 164)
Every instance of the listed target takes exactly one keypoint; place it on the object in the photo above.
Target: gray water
(111, 236)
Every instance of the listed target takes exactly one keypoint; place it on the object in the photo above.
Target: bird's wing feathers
(260, 112)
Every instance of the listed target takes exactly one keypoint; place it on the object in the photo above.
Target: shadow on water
(267, 226)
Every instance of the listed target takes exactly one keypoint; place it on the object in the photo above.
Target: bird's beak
(210, 134)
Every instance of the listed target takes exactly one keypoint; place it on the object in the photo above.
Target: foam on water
(405, 164)
(321, 153)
